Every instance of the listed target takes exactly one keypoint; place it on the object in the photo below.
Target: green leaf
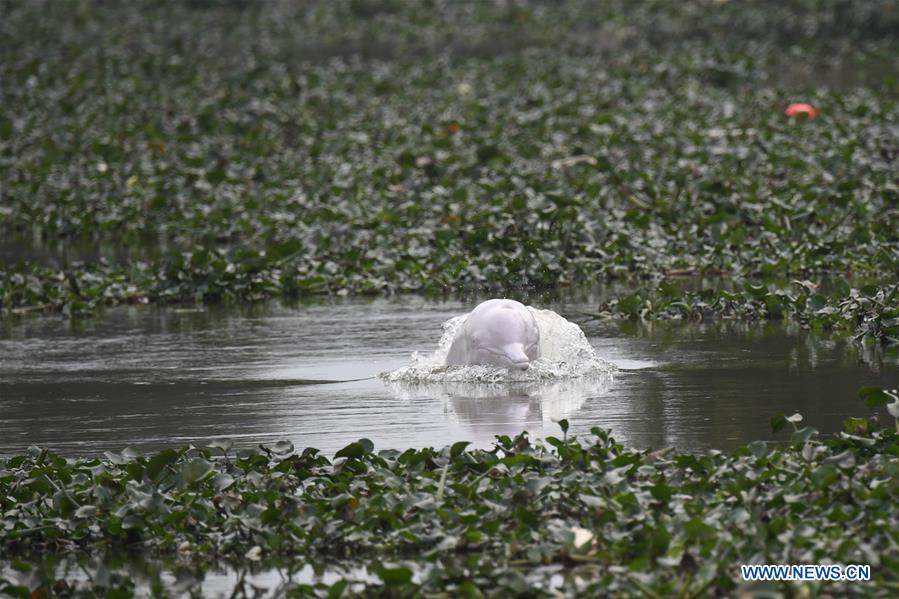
(224, 445)
(282, 449)
(536, 484)
(845, 459)
(758, 448)
(662, 492)
(855, 425)
(816, 302)
(778, 421)
(874, 397)
(353, 450)
(394, 577)
(86, 511)
(591, 500)
(458, 447)
(21, 566)
(338, 588)
(697, 529)
(196, 470)
(802, 435)
(824, 475)
(222, 481)
(157, 464)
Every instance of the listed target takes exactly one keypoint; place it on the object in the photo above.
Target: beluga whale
(498, 332)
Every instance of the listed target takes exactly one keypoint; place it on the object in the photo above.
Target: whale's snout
(515, 353)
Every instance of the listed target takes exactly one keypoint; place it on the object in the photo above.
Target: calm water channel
(150, 377)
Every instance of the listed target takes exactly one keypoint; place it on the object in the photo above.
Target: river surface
(151, 377)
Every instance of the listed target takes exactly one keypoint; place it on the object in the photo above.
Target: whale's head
(502, 333)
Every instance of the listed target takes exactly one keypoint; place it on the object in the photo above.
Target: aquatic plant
(869, 313)
(370, 147)
(572, 514)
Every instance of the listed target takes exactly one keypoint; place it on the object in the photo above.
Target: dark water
(16, 248)
(150, 377)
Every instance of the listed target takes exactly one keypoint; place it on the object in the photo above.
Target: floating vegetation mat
(870, 313)
(225, 150)
(571, 515)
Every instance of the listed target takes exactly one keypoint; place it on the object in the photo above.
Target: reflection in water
(483, 410)
(16, 248)
(151, 377)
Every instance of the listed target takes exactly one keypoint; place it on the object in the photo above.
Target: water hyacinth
(571, 515)
(869, 314)
(453, 146)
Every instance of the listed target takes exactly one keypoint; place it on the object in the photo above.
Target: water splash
(565, 353)
(555, 386)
